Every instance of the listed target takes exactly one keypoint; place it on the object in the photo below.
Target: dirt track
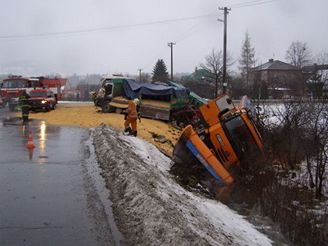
(87, 116)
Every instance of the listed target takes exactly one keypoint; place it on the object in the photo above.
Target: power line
(159, 54)
(109, 28)
(243, 3)
(252, 3)
(189, 33)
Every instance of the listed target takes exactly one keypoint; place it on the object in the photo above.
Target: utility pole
(171, 46)
(247, 71)
(224, 73)
(139, 74)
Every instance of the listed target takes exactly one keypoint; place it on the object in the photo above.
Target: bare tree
(301, 136)
(317, 147)
(321, 59)
(214, 66)
(247, 59)
(317, 80)
(298, 54)
(145, 77)
(288, 133)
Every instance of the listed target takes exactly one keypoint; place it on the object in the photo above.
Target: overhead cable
(109, 28)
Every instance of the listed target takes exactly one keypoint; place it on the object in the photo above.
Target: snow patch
(152, 209)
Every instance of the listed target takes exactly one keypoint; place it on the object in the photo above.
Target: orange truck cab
(227, 136)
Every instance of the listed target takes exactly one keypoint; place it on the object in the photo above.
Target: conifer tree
(247, 59)
(160, 71)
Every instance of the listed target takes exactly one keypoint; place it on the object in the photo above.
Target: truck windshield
(108, 86)
(38, 94)
(240, 137)
(15, 84)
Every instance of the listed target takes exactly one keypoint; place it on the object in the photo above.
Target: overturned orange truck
(226, 135)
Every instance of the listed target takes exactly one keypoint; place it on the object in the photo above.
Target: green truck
(164, 101)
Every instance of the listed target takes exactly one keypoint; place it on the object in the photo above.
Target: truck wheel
(106, 108)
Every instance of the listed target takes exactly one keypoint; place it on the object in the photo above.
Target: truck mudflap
(191, 142)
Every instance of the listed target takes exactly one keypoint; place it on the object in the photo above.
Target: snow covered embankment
(152, 209)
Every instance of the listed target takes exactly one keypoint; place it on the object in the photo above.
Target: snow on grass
(149, 153)
(223, 219)
(235, 225)
(272, 113)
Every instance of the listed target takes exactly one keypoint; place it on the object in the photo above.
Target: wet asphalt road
(47, 198)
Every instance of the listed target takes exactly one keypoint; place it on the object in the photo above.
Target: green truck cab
(111, 87)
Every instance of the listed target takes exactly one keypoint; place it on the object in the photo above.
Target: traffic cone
(30, 153)
(30, 144)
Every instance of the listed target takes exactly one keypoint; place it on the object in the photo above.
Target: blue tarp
(180, 90)
(131, 88)
(156, 89)
(135, 89)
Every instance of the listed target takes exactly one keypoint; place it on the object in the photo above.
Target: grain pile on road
(86, 115)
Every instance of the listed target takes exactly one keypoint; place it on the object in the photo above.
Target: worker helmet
(136, 101)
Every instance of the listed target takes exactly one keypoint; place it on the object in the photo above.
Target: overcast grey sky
(39, 37)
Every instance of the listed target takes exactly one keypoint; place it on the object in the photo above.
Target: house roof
(275, 65)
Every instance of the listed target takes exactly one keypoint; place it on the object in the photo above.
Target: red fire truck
(13, 86)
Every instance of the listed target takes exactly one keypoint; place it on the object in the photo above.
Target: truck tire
(106, 108)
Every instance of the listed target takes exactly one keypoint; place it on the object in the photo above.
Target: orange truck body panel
(207, 158)
(220, 145)
(255, 133)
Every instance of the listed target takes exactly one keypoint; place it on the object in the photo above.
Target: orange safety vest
(132, 110)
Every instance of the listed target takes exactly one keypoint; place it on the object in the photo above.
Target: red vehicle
(42, 99)
(13, 86)
(56, 85)
(1, 102)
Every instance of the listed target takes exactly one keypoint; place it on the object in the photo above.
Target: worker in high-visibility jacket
(131, 116)
(25, 106)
